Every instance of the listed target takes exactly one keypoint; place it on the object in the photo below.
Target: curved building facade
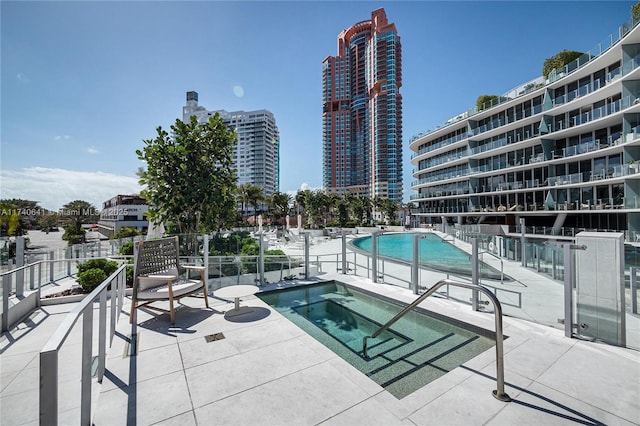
(362, 111)
(559, 152)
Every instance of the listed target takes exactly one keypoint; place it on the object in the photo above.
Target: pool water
(433, 252)
(414, 351)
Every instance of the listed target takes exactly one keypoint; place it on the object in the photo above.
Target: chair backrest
(156, 257)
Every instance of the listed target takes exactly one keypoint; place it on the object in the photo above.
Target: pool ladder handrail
(501, 263)
(499, 392)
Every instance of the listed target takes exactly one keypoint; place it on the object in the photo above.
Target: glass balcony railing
(439, 145)
(555, 75)
(595, 114)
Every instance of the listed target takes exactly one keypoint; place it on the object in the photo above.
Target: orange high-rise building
(362, 111)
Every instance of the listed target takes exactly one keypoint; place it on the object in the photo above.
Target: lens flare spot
(238, 91)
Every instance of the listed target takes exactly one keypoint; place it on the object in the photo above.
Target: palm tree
(343, 211)
(280, 202)
(332, 201)
(361, 207)
(250, 195)
(314, 203)
(389, 208)
(76, 213)
(299, 199)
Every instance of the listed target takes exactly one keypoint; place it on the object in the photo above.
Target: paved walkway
(267, 371)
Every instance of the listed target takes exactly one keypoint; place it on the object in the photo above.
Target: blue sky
(83, 82)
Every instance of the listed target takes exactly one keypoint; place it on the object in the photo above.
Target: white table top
(236, 291)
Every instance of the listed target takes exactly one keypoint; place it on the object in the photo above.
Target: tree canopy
(483, 100)
(635, 12)
(559, 60)
(190, 181)
(250, 194)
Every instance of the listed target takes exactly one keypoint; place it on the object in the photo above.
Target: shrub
(71, 237)
(91, 278)
(126, 249)
(559, 60)
(125, 232)
(129, 273)
(107, 266)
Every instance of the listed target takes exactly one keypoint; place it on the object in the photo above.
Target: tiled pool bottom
(416, 350)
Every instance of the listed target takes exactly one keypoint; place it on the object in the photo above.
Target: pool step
(420, 365)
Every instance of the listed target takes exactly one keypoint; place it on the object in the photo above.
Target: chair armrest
(159, 277)
(193, 267)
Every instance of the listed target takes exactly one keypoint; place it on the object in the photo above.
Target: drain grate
(131, 347)
(213, 337)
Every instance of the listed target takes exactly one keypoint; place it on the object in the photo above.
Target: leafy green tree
(73, 215)
(71, 236)
(559, 60)
(635, 12)
(250, 195)
(342, 206)
(315, 203)
(78, 212)
(126, 249)
(361, 209)
(484, 101)
(17, 216)
(389, 209)
(48, 222)
(299, 200)
(280, 203)
(125, 232)
(190, 180)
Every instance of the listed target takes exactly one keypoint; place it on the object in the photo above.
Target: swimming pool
(416, 350)
(433, 251)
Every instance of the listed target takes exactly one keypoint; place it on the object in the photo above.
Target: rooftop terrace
(268, 371)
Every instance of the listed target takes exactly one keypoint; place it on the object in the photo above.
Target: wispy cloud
(22, 77)
(93, 150)
(62, 137)
(53, 188)
(303, 187)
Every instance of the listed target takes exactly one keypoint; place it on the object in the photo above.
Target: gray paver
(267, 371)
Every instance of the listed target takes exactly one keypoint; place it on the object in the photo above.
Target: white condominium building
(257, 154)
(561, 151)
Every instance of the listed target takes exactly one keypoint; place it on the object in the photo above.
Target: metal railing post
(474, 273)
(634, 290)
(344, 252)
(51, 275)
(568, 291)
(205, 254)
(261, 258)
(306, 255)
(49, 388)
(122, 288)
(87, 340)
(102, 334)
(569, 284)
(112, 318)
(6, 288)
(19, 264)
(522, 242)
(32, 277)
(415, 263)
(69, 255)
(374, 257)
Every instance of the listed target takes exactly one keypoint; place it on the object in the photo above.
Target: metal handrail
(49, 353)
(501, 264)
(499, 392)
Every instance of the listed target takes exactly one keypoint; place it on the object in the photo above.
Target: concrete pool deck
(267, 371)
